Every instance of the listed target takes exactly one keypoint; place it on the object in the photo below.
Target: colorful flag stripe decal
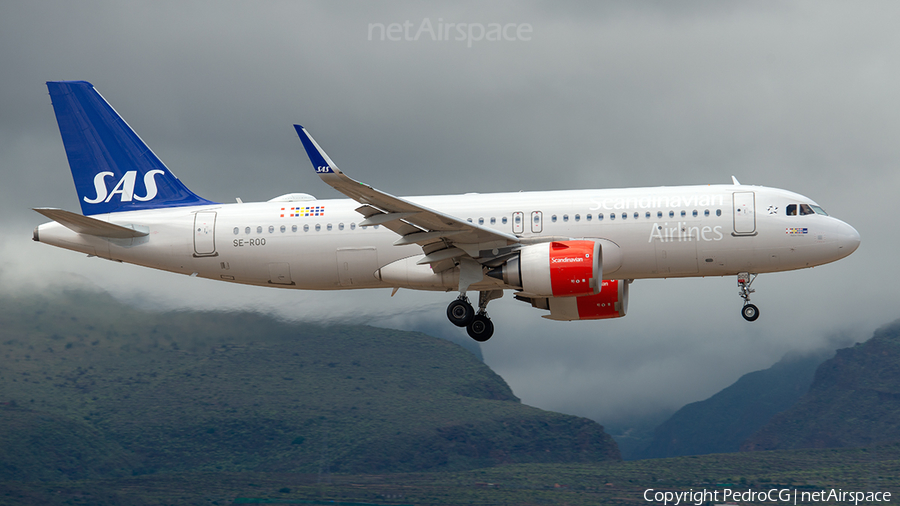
(795, 231)
(297, 212)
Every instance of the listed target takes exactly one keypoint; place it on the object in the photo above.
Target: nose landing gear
(749, 311)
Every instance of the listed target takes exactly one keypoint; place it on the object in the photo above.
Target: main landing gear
(478, 324)
(749, 311)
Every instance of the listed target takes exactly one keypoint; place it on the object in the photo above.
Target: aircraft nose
(849, 239)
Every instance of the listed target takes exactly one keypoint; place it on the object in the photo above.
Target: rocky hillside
(721, 423)
(197, 391)
(854, 401)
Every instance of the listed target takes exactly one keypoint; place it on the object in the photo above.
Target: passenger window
(588, 217)
(481, 221)
(565, 217)
(294, 228)
(694, 213)
(599, 216)
(553, 218)
(306, 228)
(258, 230)
(283, 228)
(271, 229)
(340, 226)
(493, 220)
(612, 216)
(718, 212)
(236, 231)
(659, 214)
(247, 230)
(353, 226)
(318, 227)
(683, 213)
(503, 220)
(647, 215)
(624, 216)
(577, 217)
(671, 214)
(328, 227)
(706, 212)
(636, 214)
(792, 210)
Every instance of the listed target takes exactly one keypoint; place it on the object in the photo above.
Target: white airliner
(572, 253)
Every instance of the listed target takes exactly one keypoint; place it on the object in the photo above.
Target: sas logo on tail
(124, 188)
(324, 169)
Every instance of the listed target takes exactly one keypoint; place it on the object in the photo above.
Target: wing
(443, 238)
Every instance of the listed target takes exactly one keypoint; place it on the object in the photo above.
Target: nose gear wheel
(744, 279)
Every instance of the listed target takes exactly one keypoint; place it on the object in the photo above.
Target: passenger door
(744, 213)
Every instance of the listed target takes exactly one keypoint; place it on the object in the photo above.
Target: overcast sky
(797, 95)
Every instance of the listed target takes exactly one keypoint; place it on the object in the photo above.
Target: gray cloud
(796, 95)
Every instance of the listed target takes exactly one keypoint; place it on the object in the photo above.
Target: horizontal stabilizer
(90, 226)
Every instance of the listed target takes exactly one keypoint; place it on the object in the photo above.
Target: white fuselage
(660, 232)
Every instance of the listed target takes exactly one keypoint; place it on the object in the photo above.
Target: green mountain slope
(36, 445)
(854, 401)
(721, 423)
(241, 392)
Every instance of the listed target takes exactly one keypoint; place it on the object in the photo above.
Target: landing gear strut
(749, 311)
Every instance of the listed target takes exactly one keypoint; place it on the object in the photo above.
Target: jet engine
(611, 302)
(554, 269)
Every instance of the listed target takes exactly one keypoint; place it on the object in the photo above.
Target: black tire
(460, 313)
(750, 312)
(480, 328)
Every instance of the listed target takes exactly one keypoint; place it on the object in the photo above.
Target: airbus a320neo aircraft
(572, 253)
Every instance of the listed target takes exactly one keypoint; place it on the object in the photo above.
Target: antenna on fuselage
(735, 181)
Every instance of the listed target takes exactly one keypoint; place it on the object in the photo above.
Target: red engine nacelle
(555, 269)
(611, 302)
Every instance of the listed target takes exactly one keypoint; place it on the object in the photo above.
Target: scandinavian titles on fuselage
(657, 201)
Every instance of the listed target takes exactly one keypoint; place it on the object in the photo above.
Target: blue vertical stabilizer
(112, 167)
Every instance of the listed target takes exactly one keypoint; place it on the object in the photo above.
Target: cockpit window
(804, 209)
